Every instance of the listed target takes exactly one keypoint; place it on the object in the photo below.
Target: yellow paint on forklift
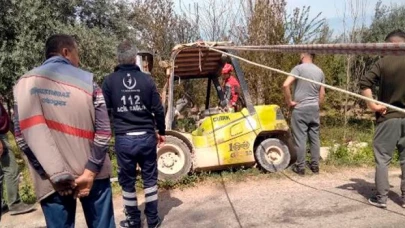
(237, 150)
(206, 157)
(230, 137)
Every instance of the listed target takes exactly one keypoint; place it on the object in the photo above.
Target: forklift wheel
(273, 155)
(174, 159)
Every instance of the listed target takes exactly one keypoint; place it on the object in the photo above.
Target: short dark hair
(312, 55)
(56, 43)
(396, 33)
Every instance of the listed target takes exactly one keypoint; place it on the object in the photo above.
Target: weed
(332, 132)
(186, 124)
(116, 188)
(342, 156)
(187, 181)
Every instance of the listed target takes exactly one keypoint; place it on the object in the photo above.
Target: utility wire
(308, 80)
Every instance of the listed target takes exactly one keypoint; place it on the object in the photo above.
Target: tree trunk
(346, 98)
(260, 89)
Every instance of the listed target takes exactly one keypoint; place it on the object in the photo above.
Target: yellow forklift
(253, 134)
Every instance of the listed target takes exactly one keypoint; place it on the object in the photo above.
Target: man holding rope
(388, 75)
(305, 120)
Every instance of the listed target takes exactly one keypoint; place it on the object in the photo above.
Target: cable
(336, 194)
(308, 80)
(354, 48)
(230, 202)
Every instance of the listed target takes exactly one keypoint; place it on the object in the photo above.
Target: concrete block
(325, 152)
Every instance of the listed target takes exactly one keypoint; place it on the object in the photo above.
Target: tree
(354, 68)
(26, 25)
(159, 29)
(265, 27)
(111, 16)
(28, 22)
(386, 19)
(300, 28)
(268, 23)
(97, 51)
(215, 18)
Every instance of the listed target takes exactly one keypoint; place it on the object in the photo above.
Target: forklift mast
(244, 86)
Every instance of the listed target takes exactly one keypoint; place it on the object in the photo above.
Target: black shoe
(130, 221)
(299, 171)
(130, 224)
(21, 208)
(315, 169)
(403, 201)
(375, 202)
(159, 222)
(4, 209)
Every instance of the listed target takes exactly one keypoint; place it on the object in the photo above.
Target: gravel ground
(337, 199)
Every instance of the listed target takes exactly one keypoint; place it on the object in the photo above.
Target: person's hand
(230, 109)
(292, 104)
(161, 140)
(225, 109)
(64, 185)
(64, 188)
(1, 148)
(84, 184)
(379, 108)
(220, 109)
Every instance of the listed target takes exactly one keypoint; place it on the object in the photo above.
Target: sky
(332, 10)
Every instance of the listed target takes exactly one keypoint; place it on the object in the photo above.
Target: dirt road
(330, 200)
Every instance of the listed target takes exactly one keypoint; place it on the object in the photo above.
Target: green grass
(26, 188)
(363, 158)
(332, 132)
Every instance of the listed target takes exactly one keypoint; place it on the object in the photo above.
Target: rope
(309, 80)
(336, 194)
(356, 48)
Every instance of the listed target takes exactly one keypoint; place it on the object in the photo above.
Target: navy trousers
(133, 150)
(60, 211)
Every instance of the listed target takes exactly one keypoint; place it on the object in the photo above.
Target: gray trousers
(305, 123)
(389, 135)
(1, 192)
(9, 168)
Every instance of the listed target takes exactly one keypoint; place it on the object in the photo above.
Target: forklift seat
(210, 112)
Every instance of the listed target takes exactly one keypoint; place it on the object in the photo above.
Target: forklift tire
(273, 155)
(288, 139)
(173, 159)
